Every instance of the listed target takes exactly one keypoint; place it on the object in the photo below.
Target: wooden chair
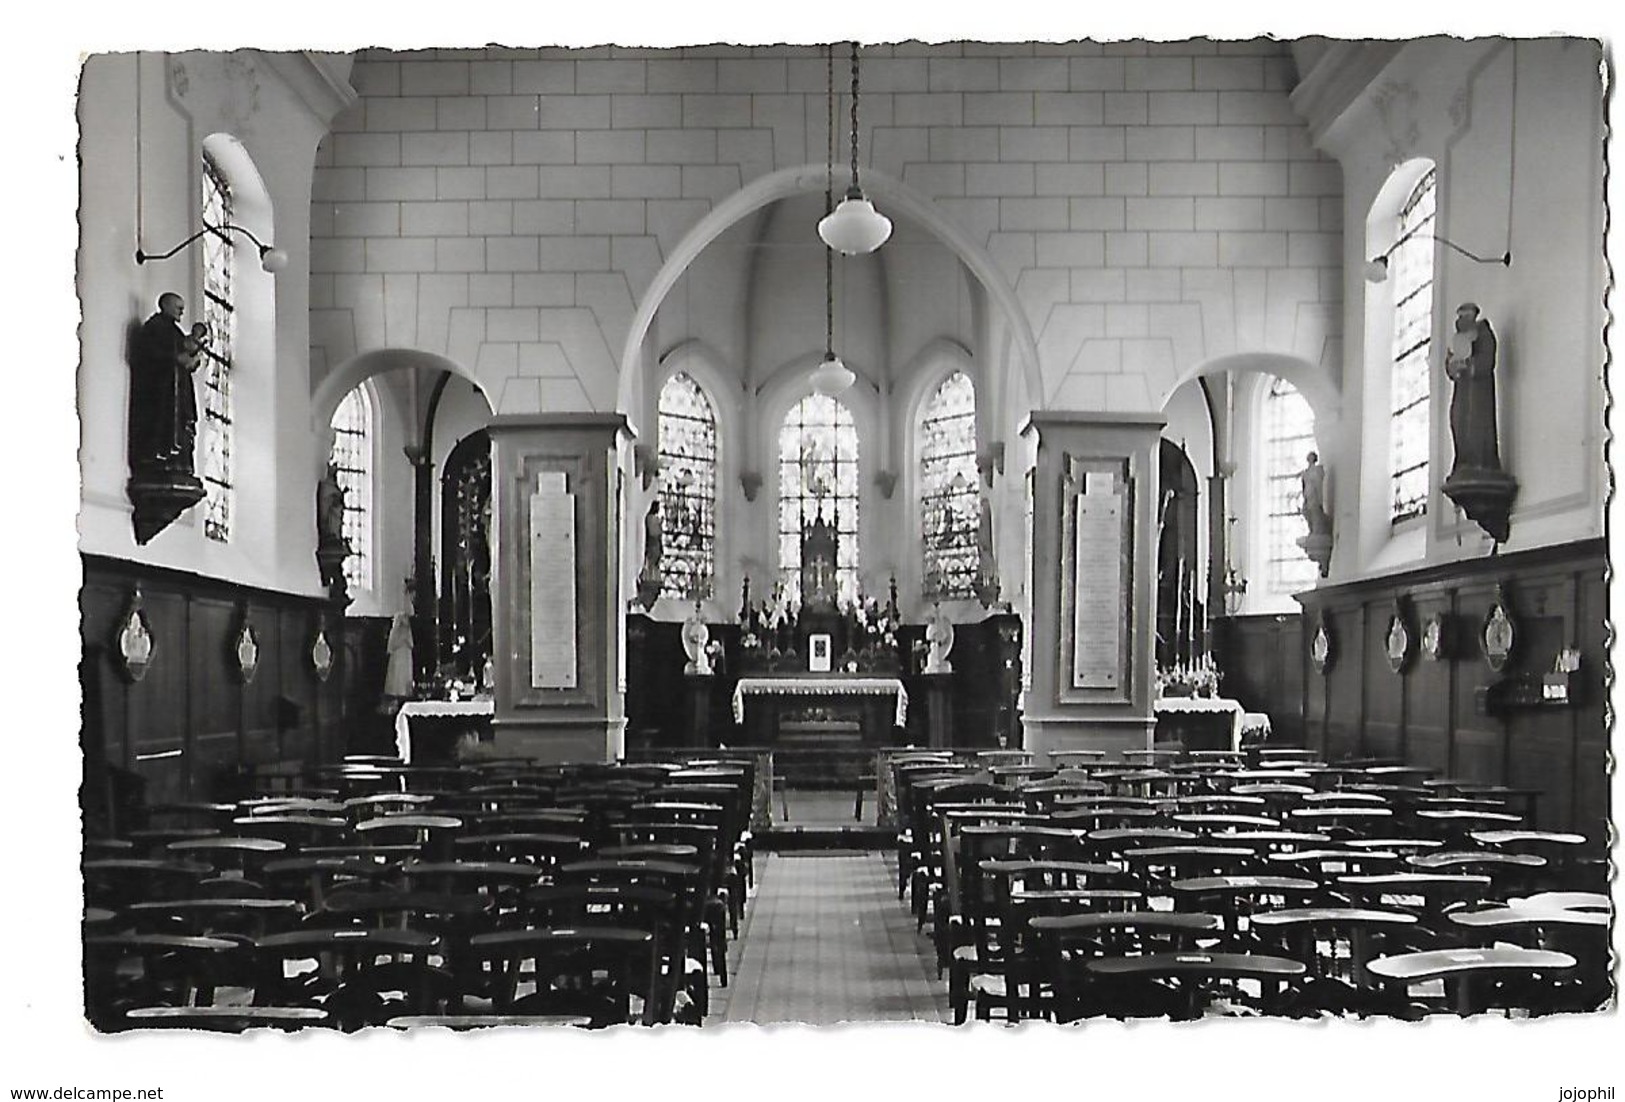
(117, 882)
(546, 851)
(685, 881)
(592, 971)
(431, 834)
(628, 906)
(238, 855)
(226, 1019)
(1065, 944)
(362, 976)
(1475, 978)
(128, 970)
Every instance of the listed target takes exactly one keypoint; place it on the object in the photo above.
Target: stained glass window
(1289, 437)
(949, 499)
(818, 472)
(1410, 269)
(352, 454)
(215, 424)
(688, 488)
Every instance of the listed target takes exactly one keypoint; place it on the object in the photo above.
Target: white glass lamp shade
(273, 260)
(832, 377)
(855, 226)
(1376, 271)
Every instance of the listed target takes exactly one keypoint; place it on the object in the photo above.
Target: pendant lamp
(855, 226)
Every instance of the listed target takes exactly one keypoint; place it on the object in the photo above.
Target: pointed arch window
(1411, 265)
(687, 433)
(818, 473)
(218, 312)
(353, 456)
(949, 499)
(1289, 437)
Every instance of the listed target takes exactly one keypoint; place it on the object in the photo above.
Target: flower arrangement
(1199, 677)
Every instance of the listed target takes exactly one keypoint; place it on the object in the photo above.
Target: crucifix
(818, 554)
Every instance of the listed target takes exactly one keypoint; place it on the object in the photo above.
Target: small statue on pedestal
(163, 417)
(939, 639)
(331, 546)
(650, 578)
(696, 637)
(1477, 483)
(1318, 543)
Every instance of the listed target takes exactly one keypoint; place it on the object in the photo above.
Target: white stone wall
(1515, 130)
(143, 120)
(1152, 206)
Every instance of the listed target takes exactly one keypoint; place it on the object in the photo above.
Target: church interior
(1015, 532)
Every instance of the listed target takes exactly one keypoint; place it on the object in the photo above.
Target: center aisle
(825, 940)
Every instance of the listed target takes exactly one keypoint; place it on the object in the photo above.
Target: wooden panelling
(185, 730)
(1433, 714)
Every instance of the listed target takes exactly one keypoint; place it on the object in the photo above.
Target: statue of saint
(939, 641)
(1470, 364)
(1313, 479)
(654, 541)
(330, 510)
(696, 635)
(163, 405)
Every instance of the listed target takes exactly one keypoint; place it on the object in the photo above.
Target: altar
(443, 721)
(1207, 723)
(878, 705)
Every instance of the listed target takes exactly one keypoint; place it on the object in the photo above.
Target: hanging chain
(854, 114)
(829, 158)
(829, 206)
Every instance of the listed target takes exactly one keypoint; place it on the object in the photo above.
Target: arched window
(818, 473)
(1289, 437)
(218, 313)
(1410, 267)
(948, 488)
(688, 488)
(353, 456)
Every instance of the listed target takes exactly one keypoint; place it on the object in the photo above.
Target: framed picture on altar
(818, 647)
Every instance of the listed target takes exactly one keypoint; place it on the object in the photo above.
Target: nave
(1161, 884)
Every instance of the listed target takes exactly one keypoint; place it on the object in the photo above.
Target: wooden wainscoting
(1431, 713)
(186, 729)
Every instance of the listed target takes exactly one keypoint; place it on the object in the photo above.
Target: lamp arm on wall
(272, 259)
(1376, 269)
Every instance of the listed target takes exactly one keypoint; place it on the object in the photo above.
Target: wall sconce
(272, 259)
(1376, 269)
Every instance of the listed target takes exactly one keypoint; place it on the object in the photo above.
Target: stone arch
(356, 370)
(890, 193)
(1311, 381)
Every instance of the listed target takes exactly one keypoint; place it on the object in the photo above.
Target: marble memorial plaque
(1098, 608)
(552, 583)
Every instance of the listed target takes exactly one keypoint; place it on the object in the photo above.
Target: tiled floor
(825, 941)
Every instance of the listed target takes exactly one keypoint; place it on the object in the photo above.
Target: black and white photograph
(771, 541)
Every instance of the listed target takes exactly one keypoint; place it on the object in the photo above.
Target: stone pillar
(557, 503)
(1095, 496)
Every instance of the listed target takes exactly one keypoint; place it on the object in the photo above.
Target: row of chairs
(378, 891)
(1174, 885)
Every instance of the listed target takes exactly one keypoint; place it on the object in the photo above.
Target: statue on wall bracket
(652, 577)
(162, 431)
(1318, 543)
(1476, 483)
(331, 546)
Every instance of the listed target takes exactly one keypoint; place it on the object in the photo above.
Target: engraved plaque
(1030, 580)
(1098, 608)
(552, 583)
